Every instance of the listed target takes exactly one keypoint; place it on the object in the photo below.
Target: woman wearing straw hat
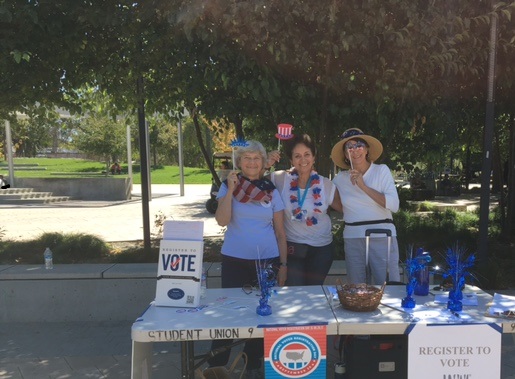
(368, 197)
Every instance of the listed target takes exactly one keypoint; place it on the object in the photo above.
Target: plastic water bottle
(203, 283)
(49, 263)
(340, 371)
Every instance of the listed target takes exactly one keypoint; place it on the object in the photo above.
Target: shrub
(67, 248)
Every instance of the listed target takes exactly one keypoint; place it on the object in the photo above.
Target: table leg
(187, 360)
(191, 358)
(141, 364)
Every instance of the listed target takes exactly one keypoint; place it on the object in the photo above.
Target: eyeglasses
(358, 145)
(252, 159)
(248, 289)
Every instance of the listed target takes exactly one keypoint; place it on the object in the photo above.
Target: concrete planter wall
(102, 188)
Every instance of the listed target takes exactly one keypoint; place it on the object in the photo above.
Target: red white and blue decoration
(297, 200)
(283, 133)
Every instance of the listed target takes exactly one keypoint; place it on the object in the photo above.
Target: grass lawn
(69, 167)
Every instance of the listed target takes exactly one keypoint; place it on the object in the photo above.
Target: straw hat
(375, 148)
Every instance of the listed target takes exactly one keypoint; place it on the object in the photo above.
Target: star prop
(239, 142)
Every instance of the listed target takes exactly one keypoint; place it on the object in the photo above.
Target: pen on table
(396, 309)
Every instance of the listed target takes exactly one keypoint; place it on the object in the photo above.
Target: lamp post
(484, 203)
(9, 148)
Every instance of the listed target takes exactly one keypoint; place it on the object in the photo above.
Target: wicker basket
(359, 297)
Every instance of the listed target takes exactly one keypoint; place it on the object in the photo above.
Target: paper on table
(502, 304)
(468, 298)
(332, 291)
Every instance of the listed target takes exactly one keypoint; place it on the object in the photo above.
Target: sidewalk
(103, 350)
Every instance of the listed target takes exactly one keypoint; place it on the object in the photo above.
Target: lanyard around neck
(301, 200)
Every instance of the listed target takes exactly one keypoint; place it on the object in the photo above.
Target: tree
(102, 127)
(373, 63)
(381, 65)
(31, 136)
(103, 137)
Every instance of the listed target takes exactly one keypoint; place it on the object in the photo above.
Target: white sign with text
(454, 351)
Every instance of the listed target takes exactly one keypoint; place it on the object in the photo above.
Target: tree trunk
(238, 127)
(200, 140)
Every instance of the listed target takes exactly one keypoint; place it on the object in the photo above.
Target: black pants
(237, 273)
(312, 267)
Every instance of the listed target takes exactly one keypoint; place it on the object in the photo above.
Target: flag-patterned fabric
(259, 190)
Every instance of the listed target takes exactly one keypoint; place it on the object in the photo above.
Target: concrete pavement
(103, 350)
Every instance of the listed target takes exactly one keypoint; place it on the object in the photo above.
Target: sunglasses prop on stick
(350, 157)
(348, 148)
(235, 144)
(283, 133)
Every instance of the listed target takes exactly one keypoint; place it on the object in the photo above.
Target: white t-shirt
(298, 230)
(358, 206)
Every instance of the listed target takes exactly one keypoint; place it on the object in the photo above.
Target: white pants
(355, 260)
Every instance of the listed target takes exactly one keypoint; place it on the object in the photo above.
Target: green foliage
(323, 68)
(66, 248)
(435, 231)
(32, 136)
(426, 206)
(404, 196)
(136, 254)
(102, 136)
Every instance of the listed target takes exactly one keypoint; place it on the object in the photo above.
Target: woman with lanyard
(306, 196)
(368, 197)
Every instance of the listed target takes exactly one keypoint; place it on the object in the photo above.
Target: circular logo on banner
(295, 355)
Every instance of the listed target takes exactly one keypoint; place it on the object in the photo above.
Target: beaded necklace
(314, 184)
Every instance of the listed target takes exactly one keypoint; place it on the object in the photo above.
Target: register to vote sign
(454, 351)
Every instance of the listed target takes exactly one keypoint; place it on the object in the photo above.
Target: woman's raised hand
(232, 180)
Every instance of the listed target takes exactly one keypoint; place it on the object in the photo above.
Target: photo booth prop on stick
(283, 133)
(235, 144)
